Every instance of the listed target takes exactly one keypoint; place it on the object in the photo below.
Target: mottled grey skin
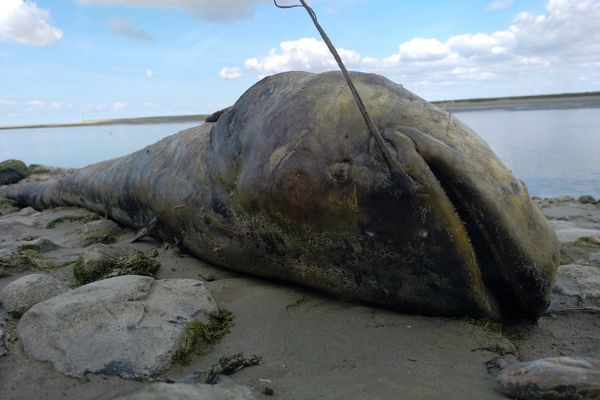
(288, 184)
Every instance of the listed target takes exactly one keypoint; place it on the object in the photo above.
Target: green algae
(135, 263)
(19, 261)
(579, 250)
(84, 219)
(199, 335)
(99, 237)
(487, 325)
(6, 203)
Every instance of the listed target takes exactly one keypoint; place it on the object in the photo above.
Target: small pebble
(268, 391)
(3, 350)
(586, 199)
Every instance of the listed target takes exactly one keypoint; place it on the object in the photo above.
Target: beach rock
(101, 225)
(28, 212)
(567, 378)
(95, 262)
(7, 206)
(100, 251)
(180, 391)
(128, 326)
(586, 199)
(579, 280)
(12, 171)
(594, 258)
(38, 245)
(15, 263)
(564, 199)
(20, 295)
(8, 210)
(100, 262)
(35, 169)
(569, 235)
(101, 231)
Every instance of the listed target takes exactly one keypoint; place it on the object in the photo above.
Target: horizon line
(201, 117)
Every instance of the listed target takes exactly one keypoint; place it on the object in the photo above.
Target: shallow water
(556, 152)
(75, 147)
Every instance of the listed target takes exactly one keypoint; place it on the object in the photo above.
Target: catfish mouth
(487, 254)
(507, 271)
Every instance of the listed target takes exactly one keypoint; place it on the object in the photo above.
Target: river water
(555, 152)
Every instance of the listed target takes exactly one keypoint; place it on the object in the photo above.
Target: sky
(71, 60)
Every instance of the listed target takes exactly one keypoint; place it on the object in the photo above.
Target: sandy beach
(312, 345)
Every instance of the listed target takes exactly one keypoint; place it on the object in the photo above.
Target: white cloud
(34, 104)
(206, 9)
(533, 52)
(94, 107)
(24, 22)
(419, 49)
(469, 45)
(149, 73)
(473, 73)
(119, 105)
(55, 106)
(568, 26)
(532, 61)
(8, 103)
(230, 73)
(303, 54)
(123, 27)
(499, 5)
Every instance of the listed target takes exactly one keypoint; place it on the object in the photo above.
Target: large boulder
(100, 231)
(100, 262)
(20, 295)
(560, 378)
(38, 245)
(12, 171)
(581, 281)
(129, 326)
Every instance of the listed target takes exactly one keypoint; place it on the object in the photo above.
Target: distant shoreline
(117, 121)
(542, 102)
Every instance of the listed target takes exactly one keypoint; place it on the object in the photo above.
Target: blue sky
(68, 60)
